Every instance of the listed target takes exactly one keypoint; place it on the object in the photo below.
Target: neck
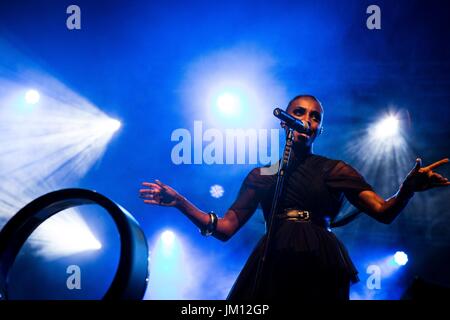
(301, 151)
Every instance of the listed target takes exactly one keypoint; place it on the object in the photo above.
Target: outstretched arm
(160, 194)
(419, 179)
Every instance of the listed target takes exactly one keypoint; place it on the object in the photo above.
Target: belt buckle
(298, 215)
(303, 215)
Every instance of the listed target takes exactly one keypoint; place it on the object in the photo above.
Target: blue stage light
(229, 104)
(216, 191)
(32, 96)
(108, 125)
(400, 258)
(387, 128)
(167, 238)
(169, 268)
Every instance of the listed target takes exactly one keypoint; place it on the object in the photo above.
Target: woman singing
(305, 260)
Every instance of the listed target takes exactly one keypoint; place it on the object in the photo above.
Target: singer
(306, 260)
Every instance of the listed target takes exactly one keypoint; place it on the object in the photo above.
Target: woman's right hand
(160, 194)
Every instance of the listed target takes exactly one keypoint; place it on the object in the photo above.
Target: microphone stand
(276, 197)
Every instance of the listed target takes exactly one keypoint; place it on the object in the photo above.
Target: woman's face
(310, 111)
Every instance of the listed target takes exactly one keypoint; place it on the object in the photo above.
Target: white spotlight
(108, 125)
(229, 104)
(64, 234)
(167, 237)
(216, 191)
(387, 128)
(114, 125)
(400, 258)
(32, 96)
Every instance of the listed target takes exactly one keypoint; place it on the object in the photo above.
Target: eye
(316, 117)
(299, 112)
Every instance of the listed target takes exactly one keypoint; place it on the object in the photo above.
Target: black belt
(297, 215)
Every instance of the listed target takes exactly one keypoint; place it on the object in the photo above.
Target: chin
(301, 141)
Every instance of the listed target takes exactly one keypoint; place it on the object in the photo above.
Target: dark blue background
(130, 59)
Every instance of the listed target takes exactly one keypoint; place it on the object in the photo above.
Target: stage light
(387, 128)
(32, 96)
(130, 278)
(167, 243)
(400, 258)
(169, 271)
(51, 148)
(184, 271)
(62, 235)
(168, 238)
(382, 275)
(229, 104)
(232, 88)
(109, 125)
(216, 191)
(382, 147)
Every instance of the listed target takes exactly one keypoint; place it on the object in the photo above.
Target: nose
(307, 119)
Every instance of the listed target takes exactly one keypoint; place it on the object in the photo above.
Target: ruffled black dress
(306, 260)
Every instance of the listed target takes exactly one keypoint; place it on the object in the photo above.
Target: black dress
(306, 260)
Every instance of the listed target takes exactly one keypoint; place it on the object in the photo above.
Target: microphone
(293, 123)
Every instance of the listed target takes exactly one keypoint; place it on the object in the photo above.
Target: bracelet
(210, 228)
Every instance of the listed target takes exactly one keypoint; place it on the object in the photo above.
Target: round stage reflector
(130, 280)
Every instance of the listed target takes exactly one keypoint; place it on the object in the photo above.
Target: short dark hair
(308, 96)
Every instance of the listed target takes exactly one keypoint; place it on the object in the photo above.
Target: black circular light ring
(130, 280)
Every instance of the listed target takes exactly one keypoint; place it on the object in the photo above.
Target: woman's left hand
(424, 178)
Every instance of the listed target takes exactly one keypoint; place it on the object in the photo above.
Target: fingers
(148, 191)
(151, 185)
(437, 178)
(162, 185)
(159, 203)
(151, 202)
(436, 164)
(151, 198)
(418, 165)
(165, 187)
(151, 193)
(148, 195)
(442, 184)
(157, 193)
